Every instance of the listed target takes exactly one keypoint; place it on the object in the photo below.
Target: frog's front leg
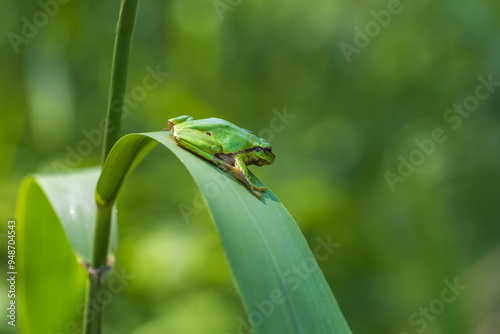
(240, 172)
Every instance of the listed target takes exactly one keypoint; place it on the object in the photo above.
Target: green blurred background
(349, 123)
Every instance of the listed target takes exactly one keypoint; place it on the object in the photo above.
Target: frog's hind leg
(223, 164)
(207, 156)
(240, 172)
(188, 146)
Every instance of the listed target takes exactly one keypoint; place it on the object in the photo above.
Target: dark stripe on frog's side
(229, 157)
(226, 157)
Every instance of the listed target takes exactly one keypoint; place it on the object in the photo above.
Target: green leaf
(280, 282)
(282, 287)
(55, 226)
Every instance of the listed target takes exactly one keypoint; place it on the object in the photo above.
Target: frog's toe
(221, 167)
(256, 193)
(263, 189)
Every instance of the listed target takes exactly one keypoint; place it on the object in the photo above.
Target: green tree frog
(224, 144)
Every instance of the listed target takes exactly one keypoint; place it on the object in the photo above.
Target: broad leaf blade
(280, 282)
(72, 197)
(56, 216)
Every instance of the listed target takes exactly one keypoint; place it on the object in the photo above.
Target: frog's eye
(258, 149)
(267, 150)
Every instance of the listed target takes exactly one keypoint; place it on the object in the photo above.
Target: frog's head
(262, 155)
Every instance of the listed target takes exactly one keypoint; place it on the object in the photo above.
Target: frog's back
(230, 136)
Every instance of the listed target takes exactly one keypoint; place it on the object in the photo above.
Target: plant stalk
(93, 299)
(93, 305)
(119, 68)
